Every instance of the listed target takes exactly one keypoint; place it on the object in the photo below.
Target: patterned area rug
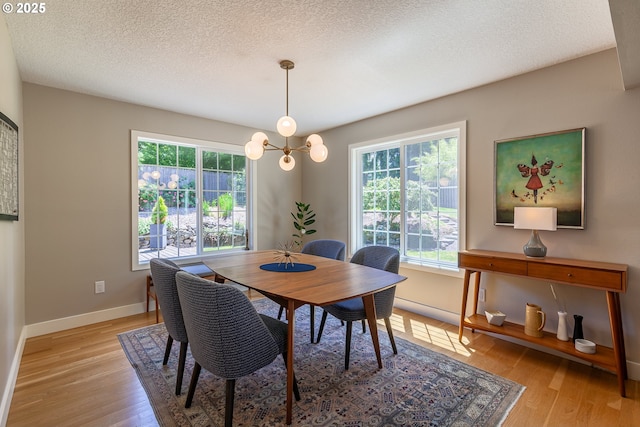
(417, 387)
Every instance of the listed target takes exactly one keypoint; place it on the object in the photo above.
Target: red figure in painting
(534, 183)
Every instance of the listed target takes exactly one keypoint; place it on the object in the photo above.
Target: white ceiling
(354, 58)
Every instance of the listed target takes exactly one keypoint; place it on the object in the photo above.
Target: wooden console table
(608, 277)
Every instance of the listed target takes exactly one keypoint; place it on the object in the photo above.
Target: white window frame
(136, 135)
(355, 195)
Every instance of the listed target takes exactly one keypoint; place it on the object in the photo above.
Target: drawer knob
(490, 264)
(569, 275)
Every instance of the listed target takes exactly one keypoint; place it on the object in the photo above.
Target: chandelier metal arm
(304, 148)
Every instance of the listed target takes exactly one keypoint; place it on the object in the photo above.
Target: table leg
(370, 310)
(476, 292)
(463, 310)
(291, 314)
(623, 352)
(617, 335)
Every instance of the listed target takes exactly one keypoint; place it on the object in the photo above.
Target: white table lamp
(535, 219)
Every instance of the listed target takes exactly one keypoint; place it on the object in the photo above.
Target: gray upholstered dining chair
(328, 248)
(227, 335)
(382, 258)
(163, 272)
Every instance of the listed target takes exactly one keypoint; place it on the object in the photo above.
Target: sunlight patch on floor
(431, 334)
(397, 322)
(440, 337)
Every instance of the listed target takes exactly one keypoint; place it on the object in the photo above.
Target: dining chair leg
(193, 384)
(167, 350)
(280, 312)
(387, 323)
(312, 319)
(228, 410)
(324, 319)
(347, 349)
(181, 361)
(364, 327)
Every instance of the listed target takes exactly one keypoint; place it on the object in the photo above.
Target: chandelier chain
(287, 93)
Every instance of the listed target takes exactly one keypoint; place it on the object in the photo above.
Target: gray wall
(12, 262)
(77, 202)
(586, 92)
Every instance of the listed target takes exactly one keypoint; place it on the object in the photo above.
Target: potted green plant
(301, 221)
(157, 229)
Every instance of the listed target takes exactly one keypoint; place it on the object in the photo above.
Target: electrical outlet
(482, 296)
(100, 287)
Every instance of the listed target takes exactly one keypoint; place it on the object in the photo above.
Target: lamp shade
(535, 218)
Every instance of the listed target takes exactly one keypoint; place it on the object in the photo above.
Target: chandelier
(286, 127)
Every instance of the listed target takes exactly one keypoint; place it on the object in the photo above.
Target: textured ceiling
(354, 59)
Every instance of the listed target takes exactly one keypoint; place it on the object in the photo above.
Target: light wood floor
(81, 377)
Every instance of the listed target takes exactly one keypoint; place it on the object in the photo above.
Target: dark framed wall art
(8, 169)
(544, 170)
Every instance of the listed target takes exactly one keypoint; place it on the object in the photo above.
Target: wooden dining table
(330, 282)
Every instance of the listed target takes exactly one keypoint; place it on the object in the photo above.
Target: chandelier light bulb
(259, 137)
(286, 126)
(142, 183)
(172, 185)
(318, 153)
(287, 162)
(254, 150)
(314, 139)
(155, 175)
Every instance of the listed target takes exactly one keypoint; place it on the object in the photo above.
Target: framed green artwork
(544, 170)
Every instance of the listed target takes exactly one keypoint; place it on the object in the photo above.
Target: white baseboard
(633, 368)
(11, 380)
(70, 322)
(428, 311)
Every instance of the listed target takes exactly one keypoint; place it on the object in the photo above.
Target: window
(189, 198)
(408, 193)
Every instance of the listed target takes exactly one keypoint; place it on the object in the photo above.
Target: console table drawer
(579, 276)
(481, 263)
